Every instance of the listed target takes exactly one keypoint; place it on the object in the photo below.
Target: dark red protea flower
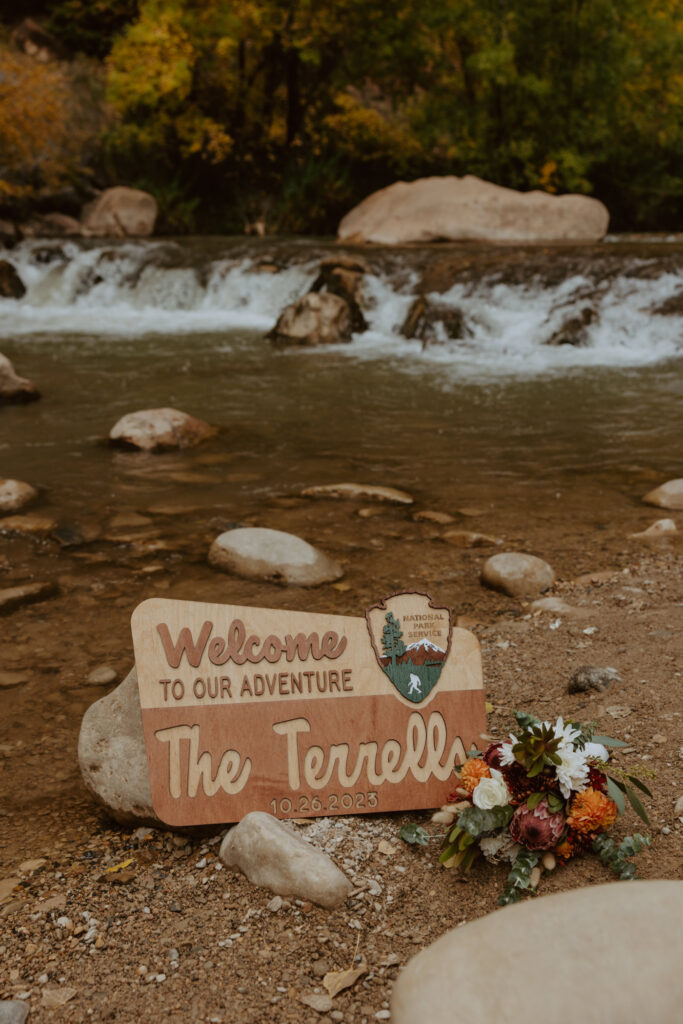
(597, 779)
(538, 829)
(492, 756)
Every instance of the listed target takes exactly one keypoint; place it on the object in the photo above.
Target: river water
(498, 416)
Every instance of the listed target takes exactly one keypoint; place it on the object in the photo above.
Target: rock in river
(273, 856)
(517, 574)
(120, 212)
(368, 492)
(615, 948)
(668, 495)
(319, 318)
(14, 388)
(469, 209)
(160, 429)
(112, 756)
(11, 285)
(273, 555)
(657, 530)
(14, 494)
(12, 598)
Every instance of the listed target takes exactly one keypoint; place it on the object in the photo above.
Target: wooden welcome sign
(251, 709)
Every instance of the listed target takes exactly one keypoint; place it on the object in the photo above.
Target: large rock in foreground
(273, 856)
(517, 574)
(612, 951)
(469, 209)
(120, 212)
(319, 318)
(14, 494)
(112, 756)
(668, 495)
(14, 388)
(260, 554)
(159, 429)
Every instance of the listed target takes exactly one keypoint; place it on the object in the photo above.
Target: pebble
(517, 574)
(589, 677)
(370, 492)
(383, 1015)
(658, 738)
(272, 555)
(102, 676)
(678, 809)
(427, 516)
(14, 494)
(8, 680)
(272, 855)
(275, 904)
(28, 524)
(470, 539)
(317, 1001)
(668, 495)
(660, 528)
(12, 598)
(12, 1011)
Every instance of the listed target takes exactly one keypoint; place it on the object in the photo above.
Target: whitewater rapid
(140, 288)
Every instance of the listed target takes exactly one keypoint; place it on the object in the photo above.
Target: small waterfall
(549, 311)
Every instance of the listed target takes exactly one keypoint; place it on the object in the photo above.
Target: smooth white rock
(260, 554)
(112, 755)
(612, 951)
(150, 429)
(517, 574)
(271, 855)
(369, 492)
(14, 494)
(469, 208)
(102, 676)
(660, 528)
(668, 495)
(14, 388)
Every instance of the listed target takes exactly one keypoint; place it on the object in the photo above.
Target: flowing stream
(108, 328)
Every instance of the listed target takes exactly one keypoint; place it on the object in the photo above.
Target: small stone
(660, 528)
(427, 516)
(678, 809)
(272, 855)
(12, 1011)
(261, 554)
(668, 495)
(29, 867)
(368, 492)
(618, 711)
(383, 1015)
(317, 1001)
(386, 848)
(102, 676)
(275, 904)
(658, 738)
(470, 539)
(52, 903)
(518, 575)
(588, 677)
(53, 998)
(160, 429)
(29, 524)
(129, 521)
(556, 606)
(14, 494)
(14, 388)
(8, 680)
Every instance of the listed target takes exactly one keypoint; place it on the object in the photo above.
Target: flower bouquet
(546, 795)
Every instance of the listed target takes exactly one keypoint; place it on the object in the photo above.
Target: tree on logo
(392, 639)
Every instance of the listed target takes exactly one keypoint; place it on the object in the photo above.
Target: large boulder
(260, 554)
(112, 755)
(120, 212)
(11, 285)
(160, 429)
(469, 209)
(319, 318)
(273, 856)
(14, 494)
(517, 574)
(14, 388)
(612, 952)
(668, 495)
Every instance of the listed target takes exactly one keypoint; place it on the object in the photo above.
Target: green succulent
(537, 748)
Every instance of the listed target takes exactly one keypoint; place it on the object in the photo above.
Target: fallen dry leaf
(119, 867)
(55, 997)
(618, 711)
(335, 981)
(386, 848)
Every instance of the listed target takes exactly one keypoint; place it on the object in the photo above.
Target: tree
(392, 639)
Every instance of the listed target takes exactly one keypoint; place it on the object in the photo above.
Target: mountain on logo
(421, 652)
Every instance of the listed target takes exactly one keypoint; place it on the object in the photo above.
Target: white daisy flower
(572, 771)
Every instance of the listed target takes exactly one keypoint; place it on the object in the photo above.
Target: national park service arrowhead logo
(411, 639)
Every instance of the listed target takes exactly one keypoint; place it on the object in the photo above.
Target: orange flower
(472, 772)
(591, 811)
(565, 850)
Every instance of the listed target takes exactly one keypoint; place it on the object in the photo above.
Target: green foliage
(537, 748)
(414, 834)
(617, 789)
(615, 857)
(478, 822)
(519, 878)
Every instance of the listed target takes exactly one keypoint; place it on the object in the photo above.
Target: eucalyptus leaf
(534, 800)
(477, 821)
(639, 784)
(415, 834)
(608, 741)
(637, 805)
(615, 793)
